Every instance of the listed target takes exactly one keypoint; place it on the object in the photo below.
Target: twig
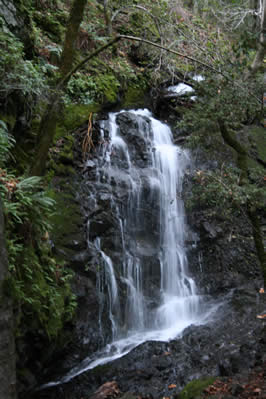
(87, 142)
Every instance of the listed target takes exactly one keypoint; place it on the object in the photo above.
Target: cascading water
(177, 302)
(158, 298)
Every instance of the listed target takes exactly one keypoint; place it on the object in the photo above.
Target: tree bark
(48, 123)
(108, 18)
(261, 50)
(74, 21)
(7, 339)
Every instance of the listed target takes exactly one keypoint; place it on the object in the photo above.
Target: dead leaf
(261, 316)
(171, 386)
(261, 291)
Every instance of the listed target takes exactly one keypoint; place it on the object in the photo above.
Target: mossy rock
(195, 388)
(73, 117)
(108, 86)
(257, 134)
(134, 97)
(66, 156)
(66, 219)
(64, 170)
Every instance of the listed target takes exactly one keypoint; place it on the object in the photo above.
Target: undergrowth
(38, 283)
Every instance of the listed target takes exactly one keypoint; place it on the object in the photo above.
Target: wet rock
(9, 13)
(211, 230)
(80, 259)
(100, 224)
(77, 242)
(129, 395)
(90, 165)
(128, 124)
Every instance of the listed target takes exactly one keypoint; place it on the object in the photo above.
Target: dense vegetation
(37, 76)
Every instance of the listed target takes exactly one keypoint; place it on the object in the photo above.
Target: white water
(177, 303)
(180, 89)
(183, 88)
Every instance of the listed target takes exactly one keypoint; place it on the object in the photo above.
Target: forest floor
(243, 386)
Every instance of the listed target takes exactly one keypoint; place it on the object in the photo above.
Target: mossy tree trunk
(261, 49)
(108, 18)
(7, 338)
(242, 162)
(48, 123)
(74, 21)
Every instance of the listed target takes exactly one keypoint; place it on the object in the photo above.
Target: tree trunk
(108, 19)
(74, 21)
(261, 50)
(7, 339)
(48, 123)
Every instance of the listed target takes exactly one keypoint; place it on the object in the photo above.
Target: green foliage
(195, 388)
(81, 89)
(40, 288)
(38, 283)
(86, 89)
(6, 143)
(221, 190)
(48, 22)
(16, 73)
(219, 98)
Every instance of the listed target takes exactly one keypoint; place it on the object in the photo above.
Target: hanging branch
(210, 67)
(139, 39)
(169, 50)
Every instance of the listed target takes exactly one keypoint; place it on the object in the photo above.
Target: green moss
(134, 97)
(75, 115)
(108, 86)
(63, 170)
(66, 156)
(66, 218)
(257, 133)
(195, 388)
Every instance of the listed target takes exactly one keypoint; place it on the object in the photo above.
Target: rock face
(17, 22)
(221, 258)
(7, 337)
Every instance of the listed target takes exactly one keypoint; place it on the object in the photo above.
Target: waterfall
(158, 298)
(177, 301)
